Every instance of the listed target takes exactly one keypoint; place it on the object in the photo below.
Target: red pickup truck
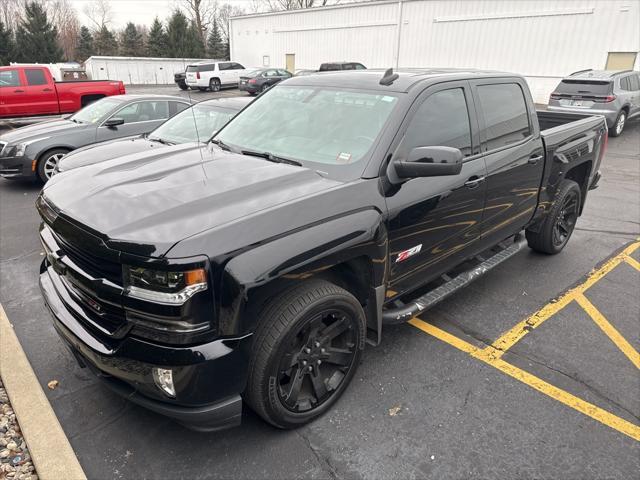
(31, 91)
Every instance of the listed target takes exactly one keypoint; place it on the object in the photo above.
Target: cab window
(441, 120)
(505, 114)
(35, 76)
(9, 78)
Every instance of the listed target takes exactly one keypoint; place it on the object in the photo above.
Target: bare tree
(11, 12)
(202, 14)
(99, 13)
(224, 13)
(279, 5)
(63, 15)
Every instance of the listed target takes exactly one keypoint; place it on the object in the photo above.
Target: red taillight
(252, 81)
(607, 99)
(121, 89)
(555, 96)
(198, 75)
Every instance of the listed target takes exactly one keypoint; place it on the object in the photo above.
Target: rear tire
(306, 349)
(214, 85)
(555, 231)
(618, 126)
(47, 163)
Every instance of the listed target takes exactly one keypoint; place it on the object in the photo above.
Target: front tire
(307, 347)
(48, 162)
(560, 221)
(214, 85)
(183, 86)
(617, 128)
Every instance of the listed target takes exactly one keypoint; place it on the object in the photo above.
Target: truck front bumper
(208, 378)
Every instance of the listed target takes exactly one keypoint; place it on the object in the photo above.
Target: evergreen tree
(104, 42)
(85, 45)
(178, 37)
(7, 45)
(131, 44)
(157, 43)
(37, 38)
(195, 47)
(215, 47)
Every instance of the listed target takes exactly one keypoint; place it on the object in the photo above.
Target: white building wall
(543, 40)
(136, 70)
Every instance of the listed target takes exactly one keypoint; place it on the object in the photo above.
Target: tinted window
(441, 120)
(581, 87)
(284, 73)
(359, 66)
(270, 73)
(624, 84)
(35, 76)
(237, 66)
(9, 78)
(634, 82)
(505, 114)
(224, 66)
(176, 107)
(143, 112)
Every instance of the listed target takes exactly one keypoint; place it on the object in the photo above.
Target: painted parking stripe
(609, 330)
(633, 262)
(582, 406)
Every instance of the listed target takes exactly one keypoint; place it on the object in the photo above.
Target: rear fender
(344, 250)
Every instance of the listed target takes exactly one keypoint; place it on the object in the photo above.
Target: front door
(290, 61)
(433, 220)
(12, 93)
(514, 156)
(39, 94)
(139, 117)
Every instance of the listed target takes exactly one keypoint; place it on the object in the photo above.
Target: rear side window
(9, 78)
(634, 82)
(35, 76)
(584, 87)
(237, 66)
(625, 84)
(505, 114)
(441, 120)
(224, 66)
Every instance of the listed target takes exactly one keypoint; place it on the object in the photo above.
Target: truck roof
(407, 78)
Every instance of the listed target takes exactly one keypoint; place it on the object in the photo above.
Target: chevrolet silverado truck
(30, 93)
(329, 207)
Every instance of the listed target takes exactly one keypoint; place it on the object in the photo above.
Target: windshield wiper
(223, 145)
(160, 140)
(271, 157)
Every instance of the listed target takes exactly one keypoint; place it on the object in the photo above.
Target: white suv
(214, 75)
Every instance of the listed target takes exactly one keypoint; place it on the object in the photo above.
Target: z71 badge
(402, 256)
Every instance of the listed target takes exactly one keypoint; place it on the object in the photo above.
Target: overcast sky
(140, 12)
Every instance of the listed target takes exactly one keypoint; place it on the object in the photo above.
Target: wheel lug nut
(307, 350)
(304, 362)
(319, 362)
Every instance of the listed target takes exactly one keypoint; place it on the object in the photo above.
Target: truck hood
(144, 204)
(103, 151)
(41, 130)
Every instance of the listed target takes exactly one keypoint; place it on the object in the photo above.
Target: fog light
(164, 381)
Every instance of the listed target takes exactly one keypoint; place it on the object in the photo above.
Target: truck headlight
(164, 287)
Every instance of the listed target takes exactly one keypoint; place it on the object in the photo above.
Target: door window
(505, 114)
(35, 76)
(177, 107)
(9, 78)
(143, 112)
(270, 73)
(441, 120)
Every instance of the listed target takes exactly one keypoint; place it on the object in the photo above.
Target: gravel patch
(15, 460)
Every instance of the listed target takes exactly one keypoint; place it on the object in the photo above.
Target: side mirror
(429, 162)
(113, 122)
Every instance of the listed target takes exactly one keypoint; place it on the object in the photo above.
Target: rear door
(39, 92)
(12, 93)
(139, 117)
(630, 88)
(513, 153)
(225, 73)
(434, 220)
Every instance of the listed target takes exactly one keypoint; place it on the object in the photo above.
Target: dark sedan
(196, 124)
(259, 80)
(35, 150)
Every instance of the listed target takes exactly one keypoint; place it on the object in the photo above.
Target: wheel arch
(88, 98)
(581, 174)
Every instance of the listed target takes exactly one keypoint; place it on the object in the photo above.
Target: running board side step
(416, 307)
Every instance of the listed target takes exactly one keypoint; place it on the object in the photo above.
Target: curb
(49, 447)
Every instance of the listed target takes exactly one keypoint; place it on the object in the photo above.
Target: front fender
(264, 270)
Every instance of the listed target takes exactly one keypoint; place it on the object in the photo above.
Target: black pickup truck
(258, 268)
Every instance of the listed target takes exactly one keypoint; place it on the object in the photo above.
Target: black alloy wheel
(566, 219)
(316, 359)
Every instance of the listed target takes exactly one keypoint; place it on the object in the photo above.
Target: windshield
(195, 124)
(329, 127)
(95, 111)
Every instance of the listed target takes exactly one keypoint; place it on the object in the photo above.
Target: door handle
(474, 182)
(533, 160)
(47, 90)
(18, 91)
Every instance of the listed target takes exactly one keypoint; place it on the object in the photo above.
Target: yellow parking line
(609, 330)
(633, 262)
(532, 381)
(515, 334)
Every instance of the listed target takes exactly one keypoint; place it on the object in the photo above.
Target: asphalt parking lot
(531, 372)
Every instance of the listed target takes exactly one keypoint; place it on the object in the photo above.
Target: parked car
(612, 93)
(196, 124)
(328, 207)
(35, 150)
(214, 75)
(181, 80)
(259, 80)
(30, 91)
(333, 66)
